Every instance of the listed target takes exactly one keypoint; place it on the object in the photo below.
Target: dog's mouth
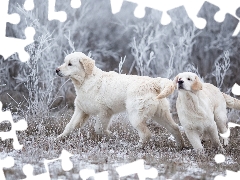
(180, 86)
(60, 74)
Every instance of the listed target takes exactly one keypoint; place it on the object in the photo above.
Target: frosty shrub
(141, 48)
(222, 65)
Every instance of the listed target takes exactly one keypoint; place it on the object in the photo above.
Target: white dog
(201, 109)
(106, 93)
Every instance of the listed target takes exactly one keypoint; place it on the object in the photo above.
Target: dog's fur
(106, 93)
(201, 109)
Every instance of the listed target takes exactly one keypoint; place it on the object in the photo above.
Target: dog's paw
(200, 152)
(180, 147)
(60, 137)
(106, 132)
(141, 144)
(224, 141)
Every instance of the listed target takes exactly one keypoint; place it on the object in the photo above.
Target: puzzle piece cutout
(67, 165)
(209, 11)
(137, 167)
(191, 7)
(8, 162)
(11, 45)
(8, 45)
(28, 5)
(220, 158)
(61, 15)
(227, 133)
(230, 175)
(139, 10)
(75, 3)
(21, 125)
(235, 91)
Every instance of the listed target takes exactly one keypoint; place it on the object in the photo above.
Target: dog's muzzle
(180, 84)
(58, 72)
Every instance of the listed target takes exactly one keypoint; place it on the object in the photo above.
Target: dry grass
(107, 153)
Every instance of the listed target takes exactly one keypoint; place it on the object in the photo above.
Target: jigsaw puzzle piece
(85, 6)
(208, 12)
(41, 15)
(66, 165)
(21, 125)
(180, 19)
(137, 167)
(13, 45)
(28, 171)
(9, 25)
(129, 10)
(13, 18)
(8, 162)
(87, 173)
(64, 158)
(238, 12)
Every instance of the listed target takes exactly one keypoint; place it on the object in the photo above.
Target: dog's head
(76, 65)
(188, 81)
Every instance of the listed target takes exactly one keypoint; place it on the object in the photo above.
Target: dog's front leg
(78, 119)
(102, 124)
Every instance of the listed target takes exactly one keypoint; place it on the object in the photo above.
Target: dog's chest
(191, 108)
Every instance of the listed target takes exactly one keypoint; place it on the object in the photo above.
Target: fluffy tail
(232, 102)
(167, 89)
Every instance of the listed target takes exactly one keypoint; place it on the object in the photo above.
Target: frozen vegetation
(124, 44)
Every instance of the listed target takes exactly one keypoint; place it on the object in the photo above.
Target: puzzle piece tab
(8, 162)
(66, 163)
(8, 45)
(21, 125)
(230, 175)
(208, 12)
(87, 173)
(137, 167)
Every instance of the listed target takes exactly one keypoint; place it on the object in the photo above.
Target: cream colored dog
(201, 109)
(106, 93)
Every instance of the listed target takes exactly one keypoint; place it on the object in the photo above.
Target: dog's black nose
(180, 82)
(57, 70)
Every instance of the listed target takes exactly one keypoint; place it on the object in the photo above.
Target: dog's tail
(232, 102)
(167, 89)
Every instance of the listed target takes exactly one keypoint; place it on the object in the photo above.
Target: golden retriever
(201, 108)
(106, 93)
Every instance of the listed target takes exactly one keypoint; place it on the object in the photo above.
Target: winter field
(125, 44)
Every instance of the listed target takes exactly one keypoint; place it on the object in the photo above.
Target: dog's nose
(57, 70)
(180, 82)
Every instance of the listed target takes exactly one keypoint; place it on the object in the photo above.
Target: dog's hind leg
(220, 117)
(214, 138)
(78, 120)
(165, 119)
(139, 123)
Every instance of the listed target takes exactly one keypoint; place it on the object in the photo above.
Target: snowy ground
(101, 154)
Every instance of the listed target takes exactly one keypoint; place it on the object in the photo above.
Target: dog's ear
(197, 84)
(175, 81)
(88, 65)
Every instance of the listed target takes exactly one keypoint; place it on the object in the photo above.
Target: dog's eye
(189, 79)
(69, 64)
